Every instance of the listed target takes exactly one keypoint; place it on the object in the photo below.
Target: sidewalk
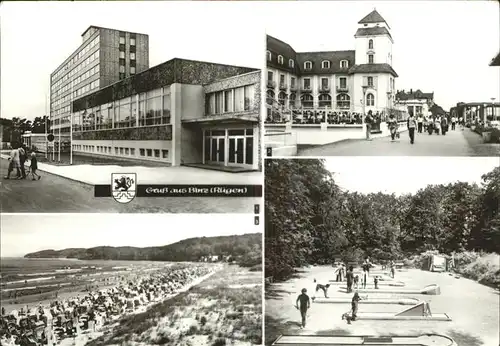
(101, 174)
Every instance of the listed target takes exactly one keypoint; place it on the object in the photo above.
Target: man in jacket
(412, 124)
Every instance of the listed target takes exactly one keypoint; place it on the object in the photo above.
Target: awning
(222, 119)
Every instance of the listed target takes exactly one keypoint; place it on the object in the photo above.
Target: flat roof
(102, 27)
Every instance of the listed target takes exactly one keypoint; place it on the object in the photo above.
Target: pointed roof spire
(373, 17)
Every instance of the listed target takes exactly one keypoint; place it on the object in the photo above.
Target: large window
(307, 101)
(370, 100)
(125, 114)
(105, 121)
(370, 44)
(166, 107)
(325, 100)
(282, 98)
(292, 99)
(343, 101)
(270, 97)
(232, 100)
(154, 107)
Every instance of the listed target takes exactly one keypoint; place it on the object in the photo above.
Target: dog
(322, 287)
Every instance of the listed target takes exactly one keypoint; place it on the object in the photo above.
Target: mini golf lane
(420, 340)
(429, 290)
(419, 312)
(369, 300)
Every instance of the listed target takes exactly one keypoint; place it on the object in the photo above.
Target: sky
(36, 37)
(443, 47)
(22, 234)
(406, 175)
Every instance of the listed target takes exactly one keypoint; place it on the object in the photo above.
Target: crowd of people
(24, 162)
(68, 318)
(299, 116)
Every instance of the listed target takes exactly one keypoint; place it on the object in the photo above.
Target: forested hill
(246, 245)
(310, 220)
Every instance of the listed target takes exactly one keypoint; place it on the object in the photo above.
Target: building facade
(35, 141)
(415, 102)
(181, 112)
(104, 57)
(359, 80)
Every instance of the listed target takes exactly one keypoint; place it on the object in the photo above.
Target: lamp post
(364, 101)
(493, 106)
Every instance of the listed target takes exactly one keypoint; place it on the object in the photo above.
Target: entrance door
(217, 150)
(236, 150)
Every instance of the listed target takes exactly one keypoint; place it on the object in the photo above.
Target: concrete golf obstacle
(327, 340)
(370, 283)
(369, 300)
(419, 312)
(429, 290)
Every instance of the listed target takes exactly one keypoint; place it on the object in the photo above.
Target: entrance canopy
(222, 119)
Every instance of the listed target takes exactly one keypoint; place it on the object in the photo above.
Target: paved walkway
(56, 194)
(454, 143)
(101, 174)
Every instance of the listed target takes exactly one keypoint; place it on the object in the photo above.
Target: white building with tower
(347, 82)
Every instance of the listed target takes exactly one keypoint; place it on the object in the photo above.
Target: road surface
(474, 309)
(454, 143)
(54, 194)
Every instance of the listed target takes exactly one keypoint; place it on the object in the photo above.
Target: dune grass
(211, 313)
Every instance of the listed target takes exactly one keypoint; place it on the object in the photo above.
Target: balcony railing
(271, 84)
(306, 89)
(324, 89)
(342, 89)
(293, 87)
(283, 86)
(367, 85)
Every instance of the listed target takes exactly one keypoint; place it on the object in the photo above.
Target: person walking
(303, 303)
(34, 166)
(350, 279)
(412, 124)
(393, 126)
(453, 123)
(420, 121)
(14, 164)
(368, 123)
(22, 160)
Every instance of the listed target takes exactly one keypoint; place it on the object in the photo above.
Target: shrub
(495, 136)
(219, 342)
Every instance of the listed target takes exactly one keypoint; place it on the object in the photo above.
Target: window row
(94, 56)
(233, 100)
(149, 109)
(343, 101)
(122, 70)
(85, 89)
(326, 64)
(122, 151)
(122, 40)
(89, 73)
(131, 55)
(76, 58)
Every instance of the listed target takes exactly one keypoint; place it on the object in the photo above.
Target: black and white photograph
(382, 252)
(134, 279)
(125, 89)
(397, 78)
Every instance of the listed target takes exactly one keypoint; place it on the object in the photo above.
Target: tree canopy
(310, 220)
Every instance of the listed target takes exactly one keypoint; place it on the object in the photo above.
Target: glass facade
(230, 101)
(145, 109)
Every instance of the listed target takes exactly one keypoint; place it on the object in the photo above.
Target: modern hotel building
(181, 112)
(104, 57)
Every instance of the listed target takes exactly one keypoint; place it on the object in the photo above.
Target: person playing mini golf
(303, 303)
(354, 309)
(350, 279)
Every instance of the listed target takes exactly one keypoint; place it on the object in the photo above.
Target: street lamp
(365, 87)
(493, 105)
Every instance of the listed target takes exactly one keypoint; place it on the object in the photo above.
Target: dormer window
(280, 59)
(344, 64)
(325, 64)
(308, 65)
(291, 63)
(268, 56)
(370, 44)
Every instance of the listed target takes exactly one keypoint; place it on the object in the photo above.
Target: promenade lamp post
(493, 106)
(363, 102)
